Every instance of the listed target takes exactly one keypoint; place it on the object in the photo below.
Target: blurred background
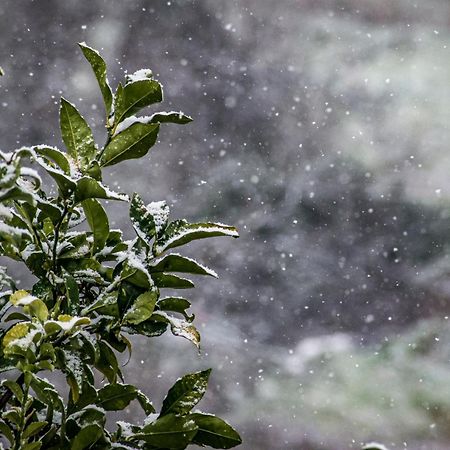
(321, 130)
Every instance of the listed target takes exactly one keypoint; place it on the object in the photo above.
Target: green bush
(94, 288)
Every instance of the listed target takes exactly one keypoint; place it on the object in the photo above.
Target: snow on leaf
(161, 117)
(139, 75)
(178, 263)
(181, 232)
(31, 304)
(180, 327)
(65, 323)
(99, 68)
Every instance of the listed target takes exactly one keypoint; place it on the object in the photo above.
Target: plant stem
(18, 443)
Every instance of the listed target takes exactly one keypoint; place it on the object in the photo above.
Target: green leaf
(135, 272)
(185, 393)
(175, 304)
(115, 397)
(135, 96)
(33, 429)
(106, 362)
(18, 331)
(86, 416)
(170, 431)
(65, 184)
(70, 362)
(54, 155)
(46, 393)
(142, 308)
(32, 446)
(99, 67)
(147, 220)
(181, 232)
(161, 117)
(149, 328)
(15, 389)
(106, 304)
(31, 304)
(76, 134)
(98, 222)
(132, 143)
(88, 187)
(17, 193)
(65, 323)
(12, 416)
(72, 293)
(167, 280)
(170, 117)
(178, 263)
(214, 432)
(145, 403)
(6, 431)
(87, 436)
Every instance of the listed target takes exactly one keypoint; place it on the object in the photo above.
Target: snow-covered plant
(94, 288)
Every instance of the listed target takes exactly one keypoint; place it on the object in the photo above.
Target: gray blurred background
(321, 130)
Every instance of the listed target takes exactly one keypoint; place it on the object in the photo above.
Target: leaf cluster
(94, 287)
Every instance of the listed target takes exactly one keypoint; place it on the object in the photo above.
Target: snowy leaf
(31, 304)
(185, 393)
(20, 337)
(139, 75)
(135, 270)
(132, 143)
(134, 96)
(115, 397)
(54, 155)
(179, 327)
(142, 308)
(145, 403)
(98, 222)
(76, 134)
(143, 222)
(87, 437)
(214, 432)
(88, 187)
(175, 304)
(106, 362)
(65, 183)
(99, 67)
(178, 263)
(160, 117)
(168, 280)
(181, 232)
(65, 323)
(170, 431)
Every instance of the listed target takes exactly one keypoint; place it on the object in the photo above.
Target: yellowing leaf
(31, 304)
(18, 331)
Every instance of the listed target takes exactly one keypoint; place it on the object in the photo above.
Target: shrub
(95, 288)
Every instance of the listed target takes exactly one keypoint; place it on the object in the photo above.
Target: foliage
(94, 288)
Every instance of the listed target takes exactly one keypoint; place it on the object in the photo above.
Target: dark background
(320, 130)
